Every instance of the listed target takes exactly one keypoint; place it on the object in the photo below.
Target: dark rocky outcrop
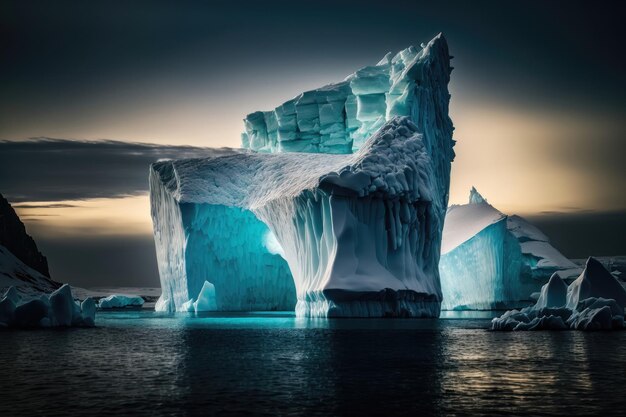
(13, 236)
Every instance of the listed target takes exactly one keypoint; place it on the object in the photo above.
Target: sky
(92, 92)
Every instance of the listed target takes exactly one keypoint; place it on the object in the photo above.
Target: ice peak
(554, 293)
(595, 281)
(475, 197)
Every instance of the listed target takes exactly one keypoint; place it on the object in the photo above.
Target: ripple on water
(145, 363)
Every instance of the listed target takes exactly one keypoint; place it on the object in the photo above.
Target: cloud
(44, 206)
(38, 215)
(45, 169)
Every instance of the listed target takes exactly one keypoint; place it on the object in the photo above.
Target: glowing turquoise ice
(226, 247)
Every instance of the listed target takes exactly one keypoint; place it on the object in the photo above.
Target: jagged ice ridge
(594, 301)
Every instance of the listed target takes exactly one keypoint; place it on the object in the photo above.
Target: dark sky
(71, 66)
(537, 98)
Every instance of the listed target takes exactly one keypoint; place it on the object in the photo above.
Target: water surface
(146, 363)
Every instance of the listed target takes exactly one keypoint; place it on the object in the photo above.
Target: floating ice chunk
(187, 306)
(600, 318)
(595, 281)
(120, 301)
(542, 323)
(560, 307)
(88, 308)
(163, 304)
(62, 305)
(30, 313)
(57, 309)
(509, 320)
(206, 298)
(553, 294)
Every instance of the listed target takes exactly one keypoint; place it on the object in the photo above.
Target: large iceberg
(491, 260)
(350, 225)
(594, 301)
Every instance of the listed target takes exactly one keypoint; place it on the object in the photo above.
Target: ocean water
(145, 363)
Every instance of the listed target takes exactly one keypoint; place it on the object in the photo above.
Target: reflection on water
(145, 363)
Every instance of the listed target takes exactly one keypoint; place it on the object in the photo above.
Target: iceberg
(490, 260)
(206, 298)
(594, 301)
(334, 206)
(595, 281)
(120, 301)
(55, 310)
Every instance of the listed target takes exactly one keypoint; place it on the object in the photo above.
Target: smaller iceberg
(594, 301)
(490, 260)
(206, 298)
(55, 310)
(120, 301)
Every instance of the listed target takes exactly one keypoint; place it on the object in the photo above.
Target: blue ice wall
(472, 274)
(226, 246)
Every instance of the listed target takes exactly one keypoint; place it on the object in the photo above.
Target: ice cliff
(349, 225)
(339, 118)
(594, 301)
(491, 260)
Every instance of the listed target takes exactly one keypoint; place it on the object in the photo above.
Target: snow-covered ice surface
(120, 301)
(345, 235)
(58, 309)
(491, 260)
(26, 280)
(594, 301)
